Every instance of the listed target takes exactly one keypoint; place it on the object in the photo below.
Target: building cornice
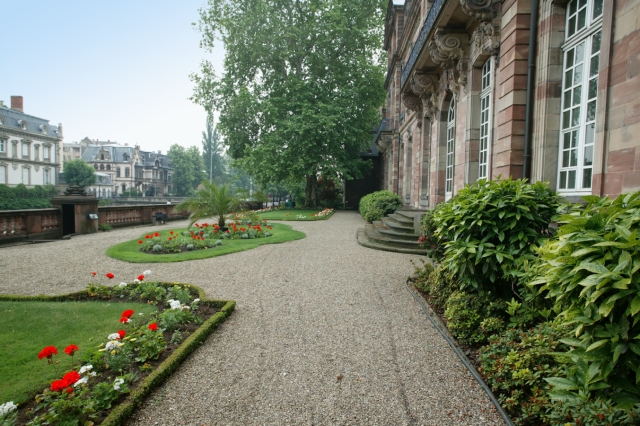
(9, 131)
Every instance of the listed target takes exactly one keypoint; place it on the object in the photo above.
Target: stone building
(129, 168)
(477, 89)
(29, 147)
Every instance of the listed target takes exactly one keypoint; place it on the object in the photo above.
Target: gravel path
(324, 332)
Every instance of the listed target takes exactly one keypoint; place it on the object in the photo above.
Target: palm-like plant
(214, 201)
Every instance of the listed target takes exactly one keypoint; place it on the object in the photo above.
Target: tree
(214, 201)
(188, 169)
(300, 90)
(212, 153)
(77, 172)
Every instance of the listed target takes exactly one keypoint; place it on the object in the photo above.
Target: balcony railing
(429, 22)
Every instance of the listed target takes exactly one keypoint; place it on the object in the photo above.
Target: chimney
(60, 129)
(16, 103)
(160, 151)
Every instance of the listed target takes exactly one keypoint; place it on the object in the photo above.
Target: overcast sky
(116, 70)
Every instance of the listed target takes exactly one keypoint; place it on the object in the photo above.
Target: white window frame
(485, 119)
(577, 120)
(25, 146)
(3, 174)
(46, 150)
(3, 146)
(28, 170)
(46, 176)
(450, 150)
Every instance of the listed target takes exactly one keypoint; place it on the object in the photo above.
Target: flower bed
(303, 214)
(202, 236)
(111, 380)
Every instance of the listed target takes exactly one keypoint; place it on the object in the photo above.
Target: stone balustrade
(125, 215)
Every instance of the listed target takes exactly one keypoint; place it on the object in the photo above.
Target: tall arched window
(451, 139)
(485, 121)
(579, 92)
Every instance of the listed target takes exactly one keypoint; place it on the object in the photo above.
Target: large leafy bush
(21, 198)
(491, 225)
(591, 273)
(378, 204)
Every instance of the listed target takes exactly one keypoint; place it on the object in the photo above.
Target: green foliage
(378, 204)
(291, 103)
(590, 273)
(515, 364)
(171, 319)
(437, 282)
(466, 313)
(428, 240)
(187, 167)
(22, 198)
(213, 200)
(489, 225)
(77, 172)
(148, 344)
(596, 412)
(105, 202)
(104, 227)
(329, 192)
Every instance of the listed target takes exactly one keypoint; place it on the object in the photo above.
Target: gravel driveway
(324, 332)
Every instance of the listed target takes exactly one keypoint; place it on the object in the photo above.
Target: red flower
(58, 385)
(155, 234)
(139, 241)
(197, 224)
(171, 232)
(128, 313)
(71, 377)
(67, 380)
(122, 333)
(140, 277)
(48, 352)
(70, 350)
(94, 273)
(124, 320)
(69, 390)
(169, 238)
(109, 275)
(153, 326)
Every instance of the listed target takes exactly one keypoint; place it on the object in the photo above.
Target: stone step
(380, 227)
(397, 226)
(364, 241)
(402, 219)
(377, 237)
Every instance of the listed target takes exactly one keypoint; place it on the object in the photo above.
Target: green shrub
(490, 224)
(465, 314)
(438, 283)
(22, 198)
(378, 204)
(515, 364)
(591, 274)
(104, 227)
(596, 412)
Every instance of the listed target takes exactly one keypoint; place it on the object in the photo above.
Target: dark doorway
(68, 219)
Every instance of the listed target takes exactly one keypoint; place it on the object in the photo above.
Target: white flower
(196, 300)
(122, 285)
(113, 336)
(146, 273)
(175, 304)
(136, 280)
(84, 379)
(117, 383)
(113, 344)
(88, 367)
(7, 407)
(141, 313)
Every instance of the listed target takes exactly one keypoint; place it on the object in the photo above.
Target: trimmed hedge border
(120, 414)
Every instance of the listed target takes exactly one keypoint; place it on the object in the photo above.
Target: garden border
(121, 413)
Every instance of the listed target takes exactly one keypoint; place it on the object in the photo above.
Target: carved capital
(481, 10)
(445, 49)
(384, 143)
(422, 84)
(411, 101)
(487, 37)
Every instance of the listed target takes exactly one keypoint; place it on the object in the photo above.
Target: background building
(461, 105)
(29, 147)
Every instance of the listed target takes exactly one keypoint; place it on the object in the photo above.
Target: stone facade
(457, 94)
(29, 147)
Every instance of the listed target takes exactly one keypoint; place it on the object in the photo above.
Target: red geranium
(171, 232)
(124, 320)
(67, 380)
(153, 326)
(197, 224)
(58, 385)
(48, 352)
(128, 313)
(94, 273)
(140, 277)
(109, 275)
(122, 333)
(139, 241)
(71, 377)
(155, 234)
(70, 350)
(69, 390)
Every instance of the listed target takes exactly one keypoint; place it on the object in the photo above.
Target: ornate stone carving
(481, 10)
(384, 143)
(446, 51)
(411, 101)
(487, 37)
(75, 190)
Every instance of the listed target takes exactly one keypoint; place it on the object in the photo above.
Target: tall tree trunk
(311, 192)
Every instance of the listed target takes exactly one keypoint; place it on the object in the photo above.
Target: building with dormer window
(29, 147)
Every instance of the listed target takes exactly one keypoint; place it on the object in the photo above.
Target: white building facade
(29, 147)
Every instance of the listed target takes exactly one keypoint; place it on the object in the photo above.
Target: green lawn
(293, 215)
(27, 327)
(129, 251)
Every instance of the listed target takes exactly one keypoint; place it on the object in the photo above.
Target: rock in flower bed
(114, 377)
(202, 236)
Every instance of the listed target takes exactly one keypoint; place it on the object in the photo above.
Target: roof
(149, 159)
(11, 118)
(115, 152)
(103, 179)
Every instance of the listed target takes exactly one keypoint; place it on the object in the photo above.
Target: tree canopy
(77, 172)
(301, 87)
(188, 169)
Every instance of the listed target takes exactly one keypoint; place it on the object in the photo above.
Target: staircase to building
(397, 232)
